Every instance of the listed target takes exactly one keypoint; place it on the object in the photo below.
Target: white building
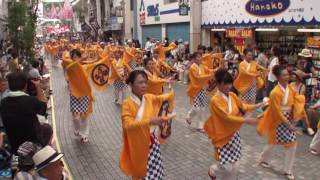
(3, 13)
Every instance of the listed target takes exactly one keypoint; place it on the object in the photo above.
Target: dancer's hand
(156, 121)
(291, 127)
(250, 120)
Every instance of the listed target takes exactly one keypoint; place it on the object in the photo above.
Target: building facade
(262, 23)
(172, 19)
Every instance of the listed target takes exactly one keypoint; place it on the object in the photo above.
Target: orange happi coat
(136, 133)
(199, 76)
(273, 115)
(248, 72)
(223, 123)
(155, 84)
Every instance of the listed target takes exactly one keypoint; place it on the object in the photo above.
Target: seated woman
(141, 155)
(224, 124)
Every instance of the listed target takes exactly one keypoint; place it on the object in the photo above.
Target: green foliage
(22, 26)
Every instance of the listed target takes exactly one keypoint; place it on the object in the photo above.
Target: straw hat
(305, 53)
(46, 156)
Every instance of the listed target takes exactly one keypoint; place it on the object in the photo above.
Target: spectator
(25, 162)
(272, 80)
(34, 71)
(48, 163)
(14, 63)
(148, 46)
(45, 135)
(19, 111)
(262, 59)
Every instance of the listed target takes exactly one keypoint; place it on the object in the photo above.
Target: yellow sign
(313, 41)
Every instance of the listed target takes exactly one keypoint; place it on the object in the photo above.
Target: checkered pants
(154, 165)
(230, 152)
(119, 85)
(133, 65)
(283, 134)
(252, 92)
(79, 105)
(201, 99)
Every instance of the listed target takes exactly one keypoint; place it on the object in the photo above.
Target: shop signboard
(239, 33)
(159, 12)
(255, 13)
(313, 41)
(183, 7)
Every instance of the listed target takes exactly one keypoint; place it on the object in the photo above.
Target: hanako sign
(266, 7)
(260, 13)
(239, 33)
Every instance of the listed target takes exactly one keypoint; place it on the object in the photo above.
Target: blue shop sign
(267, 7)
(153, 10)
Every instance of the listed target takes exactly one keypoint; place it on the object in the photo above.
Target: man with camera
(19, 110)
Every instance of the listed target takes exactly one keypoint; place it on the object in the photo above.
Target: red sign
(239, 33)
(58, 30)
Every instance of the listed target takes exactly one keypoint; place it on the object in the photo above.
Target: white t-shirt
(271, 76)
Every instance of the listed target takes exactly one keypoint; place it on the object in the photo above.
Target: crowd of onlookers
(26, 138)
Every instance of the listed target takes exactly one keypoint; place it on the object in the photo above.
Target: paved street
(187, 154)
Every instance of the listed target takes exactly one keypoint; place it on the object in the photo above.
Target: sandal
(213, 177)
(314, 152)
(264, 164)
(84, 140)
(188, 121)
(76, 133)
(289, 176)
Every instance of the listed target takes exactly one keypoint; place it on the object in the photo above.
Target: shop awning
(259, 13)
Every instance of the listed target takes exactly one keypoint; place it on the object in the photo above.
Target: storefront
(160, 19)
(282, 23)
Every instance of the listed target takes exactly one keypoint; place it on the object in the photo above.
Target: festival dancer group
(149, 78)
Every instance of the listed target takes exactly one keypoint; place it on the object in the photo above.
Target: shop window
(170, 1)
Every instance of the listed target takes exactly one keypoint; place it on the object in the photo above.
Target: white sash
(139, 116)
(227, 99)
(286, 95)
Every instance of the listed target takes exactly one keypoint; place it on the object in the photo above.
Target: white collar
(17, 93)
(286, 94)
(136, 99)
(227, 99)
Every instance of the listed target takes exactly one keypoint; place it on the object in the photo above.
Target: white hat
(305, 53)
(45, 156)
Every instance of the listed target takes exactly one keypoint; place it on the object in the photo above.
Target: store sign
(260, 13)
(267, 7)
(239, 33)
(183, 8)
(313, 41)
(153, 10)
(159, 12)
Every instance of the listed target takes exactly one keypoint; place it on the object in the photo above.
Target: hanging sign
(313, 41)
(239, 33)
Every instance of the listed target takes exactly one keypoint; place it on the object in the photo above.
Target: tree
(21, 24)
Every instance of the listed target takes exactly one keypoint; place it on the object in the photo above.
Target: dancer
(277, 121)
(155, 84)
(315, 143)
(80, 95)
(199, 76)
(249, 78)
(119, 72)
(141, 155)
(223, 126)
